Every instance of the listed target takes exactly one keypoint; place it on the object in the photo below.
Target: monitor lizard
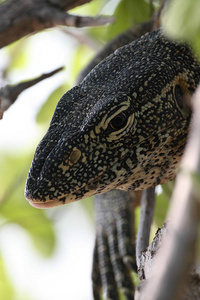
(114, 255)
(123, 127)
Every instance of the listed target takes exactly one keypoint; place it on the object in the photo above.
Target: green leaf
(161, 208)
(162, 204)
(137, 217)
(92, 8)
(127, 14)
(6, 290)
(15, 209)
(196, 181)
(99, 34)
(47, 109)
(19, 54)
(135, 279)
(182, 21)
(78, 62)
(87, 204)
(121, 295)
(168, 189)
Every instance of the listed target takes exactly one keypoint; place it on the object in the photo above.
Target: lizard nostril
(75, 156)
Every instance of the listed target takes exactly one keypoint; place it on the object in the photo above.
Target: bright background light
(67, 274)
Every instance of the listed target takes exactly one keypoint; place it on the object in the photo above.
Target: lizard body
(148, 83)
(124, 126)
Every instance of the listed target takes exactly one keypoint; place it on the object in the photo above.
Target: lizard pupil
(179, 96)
(118, 121)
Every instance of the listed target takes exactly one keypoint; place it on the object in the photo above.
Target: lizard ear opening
(182, 97)
(179, 96)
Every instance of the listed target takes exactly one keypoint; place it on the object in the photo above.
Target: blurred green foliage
(182, 20)
(14, 208)
(19, 54)
(46, 111)
(6, 289)
(162, 204)
(127, 14)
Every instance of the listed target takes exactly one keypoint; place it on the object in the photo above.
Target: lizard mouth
(48, 203)
(91, 189)
(43, 205)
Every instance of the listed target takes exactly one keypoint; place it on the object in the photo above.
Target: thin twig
(146, 217)
(9, 93)
(158, 14)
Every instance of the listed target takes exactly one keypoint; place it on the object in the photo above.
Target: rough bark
(168, 270)
(19, 18)
(148, 260)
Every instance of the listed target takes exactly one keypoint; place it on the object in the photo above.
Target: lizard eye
(179, 96)
(118, 121)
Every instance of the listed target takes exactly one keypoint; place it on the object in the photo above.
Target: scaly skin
(148, 82)
(123, 127)
(114, 247)
(114, 211)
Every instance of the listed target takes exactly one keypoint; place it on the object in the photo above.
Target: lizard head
(124, 126)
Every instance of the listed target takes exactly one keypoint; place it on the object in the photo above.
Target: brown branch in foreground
(147, 261)
(9, 93)
(19, 18)
(177, 253)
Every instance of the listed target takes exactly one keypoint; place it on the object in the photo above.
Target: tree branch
(177, 253)
(146, 217)
(9, 93)
(19, 18)
(147, 261)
